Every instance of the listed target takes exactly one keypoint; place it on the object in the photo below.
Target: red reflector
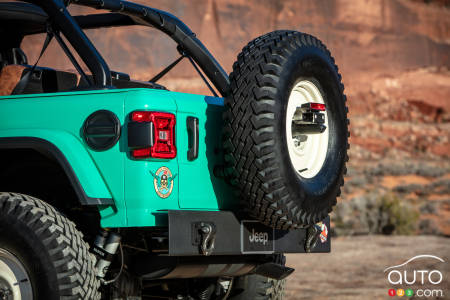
(141, 116)
(141, 153)
(317, 106)
(164, 134)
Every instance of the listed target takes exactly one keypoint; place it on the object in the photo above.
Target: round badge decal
(163, 182)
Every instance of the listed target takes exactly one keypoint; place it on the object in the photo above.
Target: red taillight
(141, 153)
(141, 116)
(163, 145)
(317, 106)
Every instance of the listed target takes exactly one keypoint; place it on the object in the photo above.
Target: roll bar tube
(143, 15)
(61, 18)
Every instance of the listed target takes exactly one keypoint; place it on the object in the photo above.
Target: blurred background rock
(394, 56)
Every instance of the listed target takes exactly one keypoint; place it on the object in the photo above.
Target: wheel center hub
(306, 128)
(5, 291)
(14, 280)
(4, 294)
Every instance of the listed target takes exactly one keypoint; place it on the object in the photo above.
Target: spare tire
(285, 179)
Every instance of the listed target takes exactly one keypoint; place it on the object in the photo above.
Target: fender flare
(44, 146)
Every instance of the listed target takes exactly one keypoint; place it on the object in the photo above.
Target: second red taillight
(314, 106)
(162, 144)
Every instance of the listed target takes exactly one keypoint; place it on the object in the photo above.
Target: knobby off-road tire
(257, 287)
(257, 158)
(49, 247)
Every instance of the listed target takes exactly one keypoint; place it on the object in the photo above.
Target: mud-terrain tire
(256, 135)
(257, 287)
(48, 247)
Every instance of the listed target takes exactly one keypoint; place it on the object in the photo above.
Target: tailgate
(198, 187)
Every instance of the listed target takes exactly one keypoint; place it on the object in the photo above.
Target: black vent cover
(101, 130)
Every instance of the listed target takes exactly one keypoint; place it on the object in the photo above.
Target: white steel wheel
(15, 283)
(285, 130)
(307, 152)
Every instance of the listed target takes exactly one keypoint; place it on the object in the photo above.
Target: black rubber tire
(257, 287)
(49, 246)
(256, 155)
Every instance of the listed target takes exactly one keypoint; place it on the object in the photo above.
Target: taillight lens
(317, 106)
(164, 146)
(141, 116)
(141, 153)
(163, 134)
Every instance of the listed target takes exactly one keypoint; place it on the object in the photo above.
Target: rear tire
(48, 247)
(259, 159)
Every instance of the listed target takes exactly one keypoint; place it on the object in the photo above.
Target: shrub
(396, 217)
(374, 214)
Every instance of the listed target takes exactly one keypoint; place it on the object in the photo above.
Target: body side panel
(58, 118)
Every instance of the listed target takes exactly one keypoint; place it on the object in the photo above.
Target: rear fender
(70, 154)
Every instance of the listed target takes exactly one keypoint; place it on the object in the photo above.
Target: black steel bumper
(217, 243)
(194, 233)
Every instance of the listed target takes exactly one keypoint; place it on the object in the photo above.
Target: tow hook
(312, 237)
(204, 235)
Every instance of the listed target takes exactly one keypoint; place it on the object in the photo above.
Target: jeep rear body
(120, 185)
(124, 186)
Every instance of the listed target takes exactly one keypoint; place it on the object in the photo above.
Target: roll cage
(39, 13)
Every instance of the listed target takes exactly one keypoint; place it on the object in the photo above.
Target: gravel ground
(354, 268)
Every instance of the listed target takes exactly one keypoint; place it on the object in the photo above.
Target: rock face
(394, 56)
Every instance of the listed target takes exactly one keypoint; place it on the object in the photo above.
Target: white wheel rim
(307, 157)
(15, 283)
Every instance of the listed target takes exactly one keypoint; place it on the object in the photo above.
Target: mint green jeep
(119, 189)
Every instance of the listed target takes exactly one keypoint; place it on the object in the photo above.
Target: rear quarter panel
(58, 118)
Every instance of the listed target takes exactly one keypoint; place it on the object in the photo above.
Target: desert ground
(354, 268)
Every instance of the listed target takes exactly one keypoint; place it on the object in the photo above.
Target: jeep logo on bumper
(259, 237)
(256, 238)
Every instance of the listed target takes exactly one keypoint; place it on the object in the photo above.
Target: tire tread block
(72, 261)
